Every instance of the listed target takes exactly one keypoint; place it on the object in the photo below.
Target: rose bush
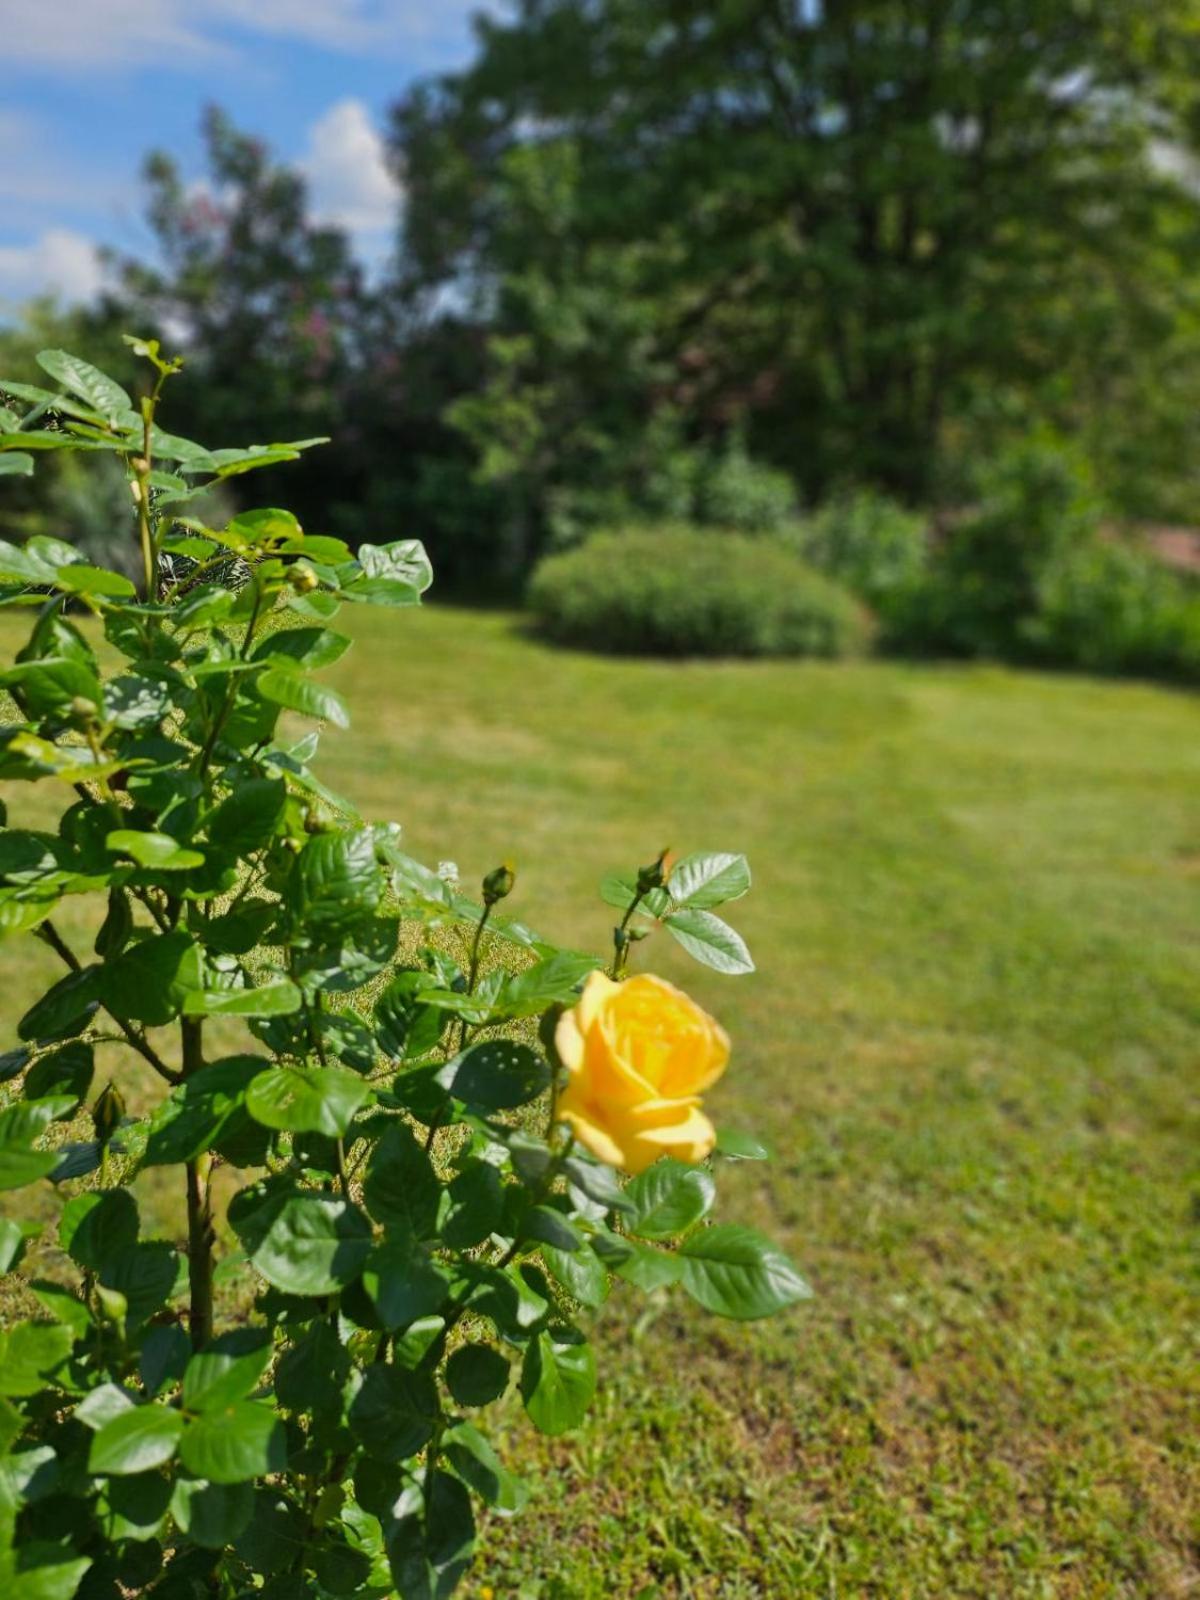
(284, 1398)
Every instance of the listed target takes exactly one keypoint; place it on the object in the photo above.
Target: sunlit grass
(972, 1043)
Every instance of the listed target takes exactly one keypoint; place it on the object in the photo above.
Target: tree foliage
(857, 226)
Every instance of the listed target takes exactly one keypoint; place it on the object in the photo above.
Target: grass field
(972, 1043)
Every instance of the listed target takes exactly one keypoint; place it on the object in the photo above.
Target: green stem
(622, 939)
(201, 1237)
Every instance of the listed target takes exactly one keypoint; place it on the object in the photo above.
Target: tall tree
(267, 306)
(841, 221)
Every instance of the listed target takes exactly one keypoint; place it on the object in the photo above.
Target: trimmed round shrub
(679, 591)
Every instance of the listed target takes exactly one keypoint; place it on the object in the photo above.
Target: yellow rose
(638, 1055)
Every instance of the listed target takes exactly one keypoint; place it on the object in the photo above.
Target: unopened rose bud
(498, 884)
(302, 577)
(655, 875)
(107, 1112)
(83, 711)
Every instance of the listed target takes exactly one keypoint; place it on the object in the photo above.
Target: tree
(841, 222)
(267, 305)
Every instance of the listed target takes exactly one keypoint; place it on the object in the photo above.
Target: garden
(599, 847)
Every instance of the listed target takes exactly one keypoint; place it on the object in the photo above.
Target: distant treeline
(655, 260)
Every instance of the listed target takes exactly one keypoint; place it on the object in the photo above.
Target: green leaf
(98, 1227)
(47, 686)
(138, 1505)
(405, 1028)
(234, 1442)
(647, 1267)
(237, 932)
(307, 647)
(307, 1099)
(404, 560)
(149, 982)
(710, 941)
(80, 578)
(19, 564)
(302, 1243)
(735, 1146)
(558, 1380)
(312, 1370)
(156, 850)
(597, 1183)
(66, 1071)
(473, 1458)
(274, 1533)
(580, 1272)
(63, 1306)
(550, 1227)
(212, 1514)
(394, 1412)
(279, 998)
(472, 1205)
(551, 982)
(14, 1236)
(30, 1355)
(737, 1272)
(42, 1572)
(400, 1189)
(20, 1124)
(15, 464)
(619, 888)
(289, 688)
(707, 879)
(136, 1440)
(145, 1276)
(377, 591)
(497, 1075)
(228, 1369)
(88, 382)
(193, 1115)
(248, 817)
(476, 1374)
(431, 1538)
(669, 1198)
(403, 1287)
(102, 1405)
(335, 883)
(64, 1008)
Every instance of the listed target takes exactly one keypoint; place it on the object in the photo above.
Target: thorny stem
(472, 975)
(142, 467)
(201, 1237)
(622, 939)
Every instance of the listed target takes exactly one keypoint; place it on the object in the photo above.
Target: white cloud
(106, 33)
(190, 34)
(348, 178)
(60, 261)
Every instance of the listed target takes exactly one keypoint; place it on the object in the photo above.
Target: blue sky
(87, 86)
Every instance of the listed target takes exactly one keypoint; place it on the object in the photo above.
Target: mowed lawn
(972, 1043)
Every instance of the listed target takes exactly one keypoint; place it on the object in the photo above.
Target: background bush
(685, 591)
(735, 491)
(1036, 505)
(872, 545)
(1108, 608)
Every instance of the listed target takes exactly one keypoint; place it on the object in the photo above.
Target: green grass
(972, 1043)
